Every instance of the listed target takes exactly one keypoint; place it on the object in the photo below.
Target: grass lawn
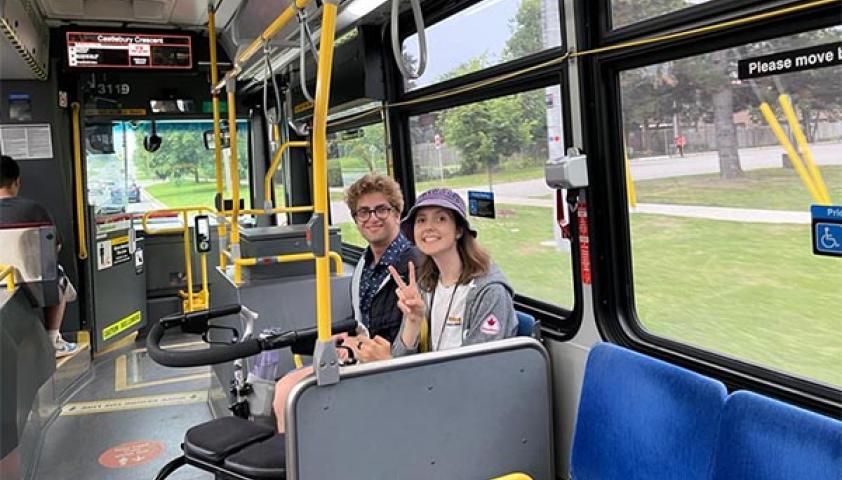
(751, 291)
(481, 178)
(771, 189)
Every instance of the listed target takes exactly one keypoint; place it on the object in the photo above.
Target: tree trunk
(196, 175)
(723, 121)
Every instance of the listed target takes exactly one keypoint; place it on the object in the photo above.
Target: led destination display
(128, 50)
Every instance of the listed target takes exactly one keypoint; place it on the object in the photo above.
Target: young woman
(459, 298)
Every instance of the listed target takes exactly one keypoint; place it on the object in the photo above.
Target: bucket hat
(436, 197)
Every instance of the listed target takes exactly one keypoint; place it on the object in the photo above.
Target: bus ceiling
(26, 25)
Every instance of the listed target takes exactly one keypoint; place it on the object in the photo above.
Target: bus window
(501, 145)
(128, 178)
(509, 29)
(721, 233)
(627, 12)
(351, 154)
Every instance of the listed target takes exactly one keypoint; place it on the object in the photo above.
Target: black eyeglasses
(381, 212)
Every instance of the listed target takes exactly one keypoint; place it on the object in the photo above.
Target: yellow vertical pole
(320, 165)
(79, 189)
(795, 125)
(766, 110)
(235, 170)
(217, 131)
(205, 292)
(188, 261)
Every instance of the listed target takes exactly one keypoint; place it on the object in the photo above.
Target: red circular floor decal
(130, 454)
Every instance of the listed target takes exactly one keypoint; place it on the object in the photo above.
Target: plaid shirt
(373, 275)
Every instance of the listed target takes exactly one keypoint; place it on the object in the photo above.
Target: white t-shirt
(449, 304)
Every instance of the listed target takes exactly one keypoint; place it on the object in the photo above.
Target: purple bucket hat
(436, 197)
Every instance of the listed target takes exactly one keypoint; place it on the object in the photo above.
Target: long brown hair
(475, 260)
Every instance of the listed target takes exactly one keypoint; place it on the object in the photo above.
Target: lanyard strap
(446, 315)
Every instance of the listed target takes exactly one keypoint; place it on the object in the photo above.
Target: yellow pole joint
(7, 272)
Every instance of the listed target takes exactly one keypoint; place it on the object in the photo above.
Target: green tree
(525, 27)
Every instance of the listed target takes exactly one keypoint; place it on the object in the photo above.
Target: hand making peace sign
(410, 301)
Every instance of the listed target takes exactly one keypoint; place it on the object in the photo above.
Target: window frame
(558, 323)
(613, 286)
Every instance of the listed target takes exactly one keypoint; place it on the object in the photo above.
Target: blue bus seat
(526, 325)
(763, 438)
(642, 418)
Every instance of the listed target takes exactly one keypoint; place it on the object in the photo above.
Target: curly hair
(375, 183)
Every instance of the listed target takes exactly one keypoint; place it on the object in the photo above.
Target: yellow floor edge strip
(121, 377)
(134, 403)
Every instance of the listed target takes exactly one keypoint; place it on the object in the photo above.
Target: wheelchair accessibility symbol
(829, 237)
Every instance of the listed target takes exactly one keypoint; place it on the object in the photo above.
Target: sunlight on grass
(752, 291)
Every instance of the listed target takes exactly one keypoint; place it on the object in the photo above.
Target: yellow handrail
(77, 175)
(795, 126)
(287, 258)
(629, 179)
(234, 168)
(514, 476)
(192, 301)
(794, 158)
(270, 31)
(8, 272)
(276, 161)
(322, 98)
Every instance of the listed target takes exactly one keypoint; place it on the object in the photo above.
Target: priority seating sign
(827, 230)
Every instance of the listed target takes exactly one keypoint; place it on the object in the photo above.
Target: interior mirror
(100, 139)
(208, 139)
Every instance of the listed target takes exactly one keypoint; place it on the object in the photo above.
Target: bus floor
(129, 420)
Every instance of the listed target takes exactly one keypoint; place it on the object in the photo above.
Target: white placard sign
(26, 142)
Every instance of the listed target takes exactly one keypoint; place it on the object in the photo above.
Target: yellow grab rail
(270, 31)
(276, 161)
(629, 179)
(322, 98)
(795, 126)
(8, 272)
(77, 175)
(514, 476)
(239, 263)
(794, 158)
(191, 301)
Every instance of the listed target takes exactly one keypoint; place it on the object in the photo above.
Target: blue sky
(448, 46)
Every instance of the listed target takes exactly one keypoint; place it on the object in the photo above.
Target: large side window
(721, 227)
(500, 31)
(352, 154)
(500, 145)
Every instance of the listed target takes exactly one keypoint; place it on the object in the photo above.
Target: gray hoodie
(487, 303)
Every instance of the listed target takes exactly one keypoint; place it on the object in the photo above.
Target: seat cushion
(213, 441)
(264, 460)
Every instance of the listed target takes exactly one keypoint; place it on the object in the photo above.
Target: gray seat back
(474, 412)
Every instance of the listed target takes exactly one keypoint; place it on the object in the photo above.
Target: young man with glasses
(376, 202)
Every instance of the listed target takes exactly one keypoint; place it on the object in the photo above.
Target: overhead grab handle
(304, 31)
(422, 39)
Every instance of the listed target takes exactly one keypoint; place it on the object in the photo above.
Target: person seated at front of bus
(18, 210)
(375, 202)
(459, 291)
